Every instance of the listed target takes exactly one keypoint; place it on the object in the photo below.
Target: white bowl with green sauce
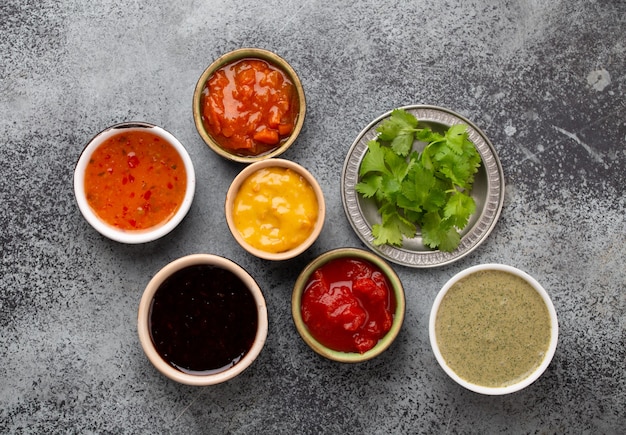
(493, 329)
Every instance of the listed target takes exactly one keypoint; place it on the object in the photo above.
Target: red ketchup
(347, 305)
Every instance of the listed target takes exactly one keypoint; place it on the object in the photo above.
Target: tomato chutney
(348, 305)
(249, 107)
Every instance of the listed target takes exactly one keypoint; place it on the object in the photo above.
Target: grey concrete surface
(545, 80)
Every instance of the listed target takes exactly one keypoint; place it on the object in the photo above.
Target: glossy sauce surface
(275, 209)
(493, 328)
(249, 107)
(135, 180)
(348, 305)
(203, 319)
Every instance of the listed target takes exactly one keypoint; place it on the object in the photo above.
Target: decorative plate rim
(471, 238)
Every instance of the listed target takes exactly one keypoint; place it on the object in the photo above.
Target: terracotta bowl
(146, 310)
(235, 187)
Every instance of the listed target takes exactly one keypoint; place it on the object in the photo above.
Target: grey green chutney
(493, 328)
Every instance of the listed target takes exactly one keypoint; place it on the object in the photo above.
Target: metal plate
(488, 192)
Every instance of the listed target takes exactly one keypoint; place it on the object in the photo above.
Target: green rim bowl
(396, 287)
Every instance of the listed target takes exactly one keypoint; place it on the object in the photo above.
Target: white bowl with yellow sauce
(493, 329)
(275, 209)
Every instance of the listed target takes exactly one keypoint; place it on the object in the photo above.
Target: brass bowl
(228, 58)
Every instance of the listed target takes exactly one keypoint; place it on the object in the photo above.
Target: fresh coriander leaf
(400, 122)
(459, 208)
(403, 143)
(436, 197)
(455, 136)
(373, 160)
(393, 227)
(369, 185)
(459, 168)
(386, 236)
(397, 165)
(473, 158)
(426, 160)
(406, 204)
(428, 136)
(390, 187)
(455, 168)
(413, 216)
(438, 233)
(450, 240)
(423, 188)
(430, 189)
(418, 184)
(432, 153)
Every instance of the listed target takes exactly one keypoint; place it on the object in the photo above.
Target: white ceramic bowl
(143, 320)
(138, 236)
(236, 185)
(534, 375)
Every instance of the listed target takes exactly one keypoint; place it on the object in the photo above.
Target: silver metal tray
(488, 192)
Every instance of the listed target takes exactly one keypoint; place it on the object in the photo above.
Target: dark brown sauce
(203, 319)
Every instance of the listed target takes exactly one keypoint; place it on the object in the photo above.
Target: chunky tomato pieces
(249, 107)
(347, 305)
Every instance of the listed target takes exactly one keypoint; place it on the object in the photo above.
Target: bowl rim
(553, 336)
(109, 231)
(271, 163)
(143, 316)
(233, 56)
(396, 286)
(481, 223)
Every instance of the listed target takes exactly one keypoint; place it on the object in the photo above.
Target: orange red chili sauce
(249, 107)
(135, 180)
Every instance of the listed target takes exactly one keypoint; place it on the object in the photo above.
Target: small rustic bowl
(233, 56)
(236, 185)
(117, 234)
(300, 287)
(143, 320)
(532, 377)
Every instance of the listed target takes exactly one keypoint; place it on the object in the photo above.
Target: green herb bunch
(428, 189)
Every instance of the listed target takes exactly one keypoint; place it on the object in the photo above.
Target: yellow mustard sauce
(493, 328)
(275, 210)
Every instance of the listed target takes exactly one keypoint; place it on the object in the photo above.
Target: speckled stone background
(546, 82)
